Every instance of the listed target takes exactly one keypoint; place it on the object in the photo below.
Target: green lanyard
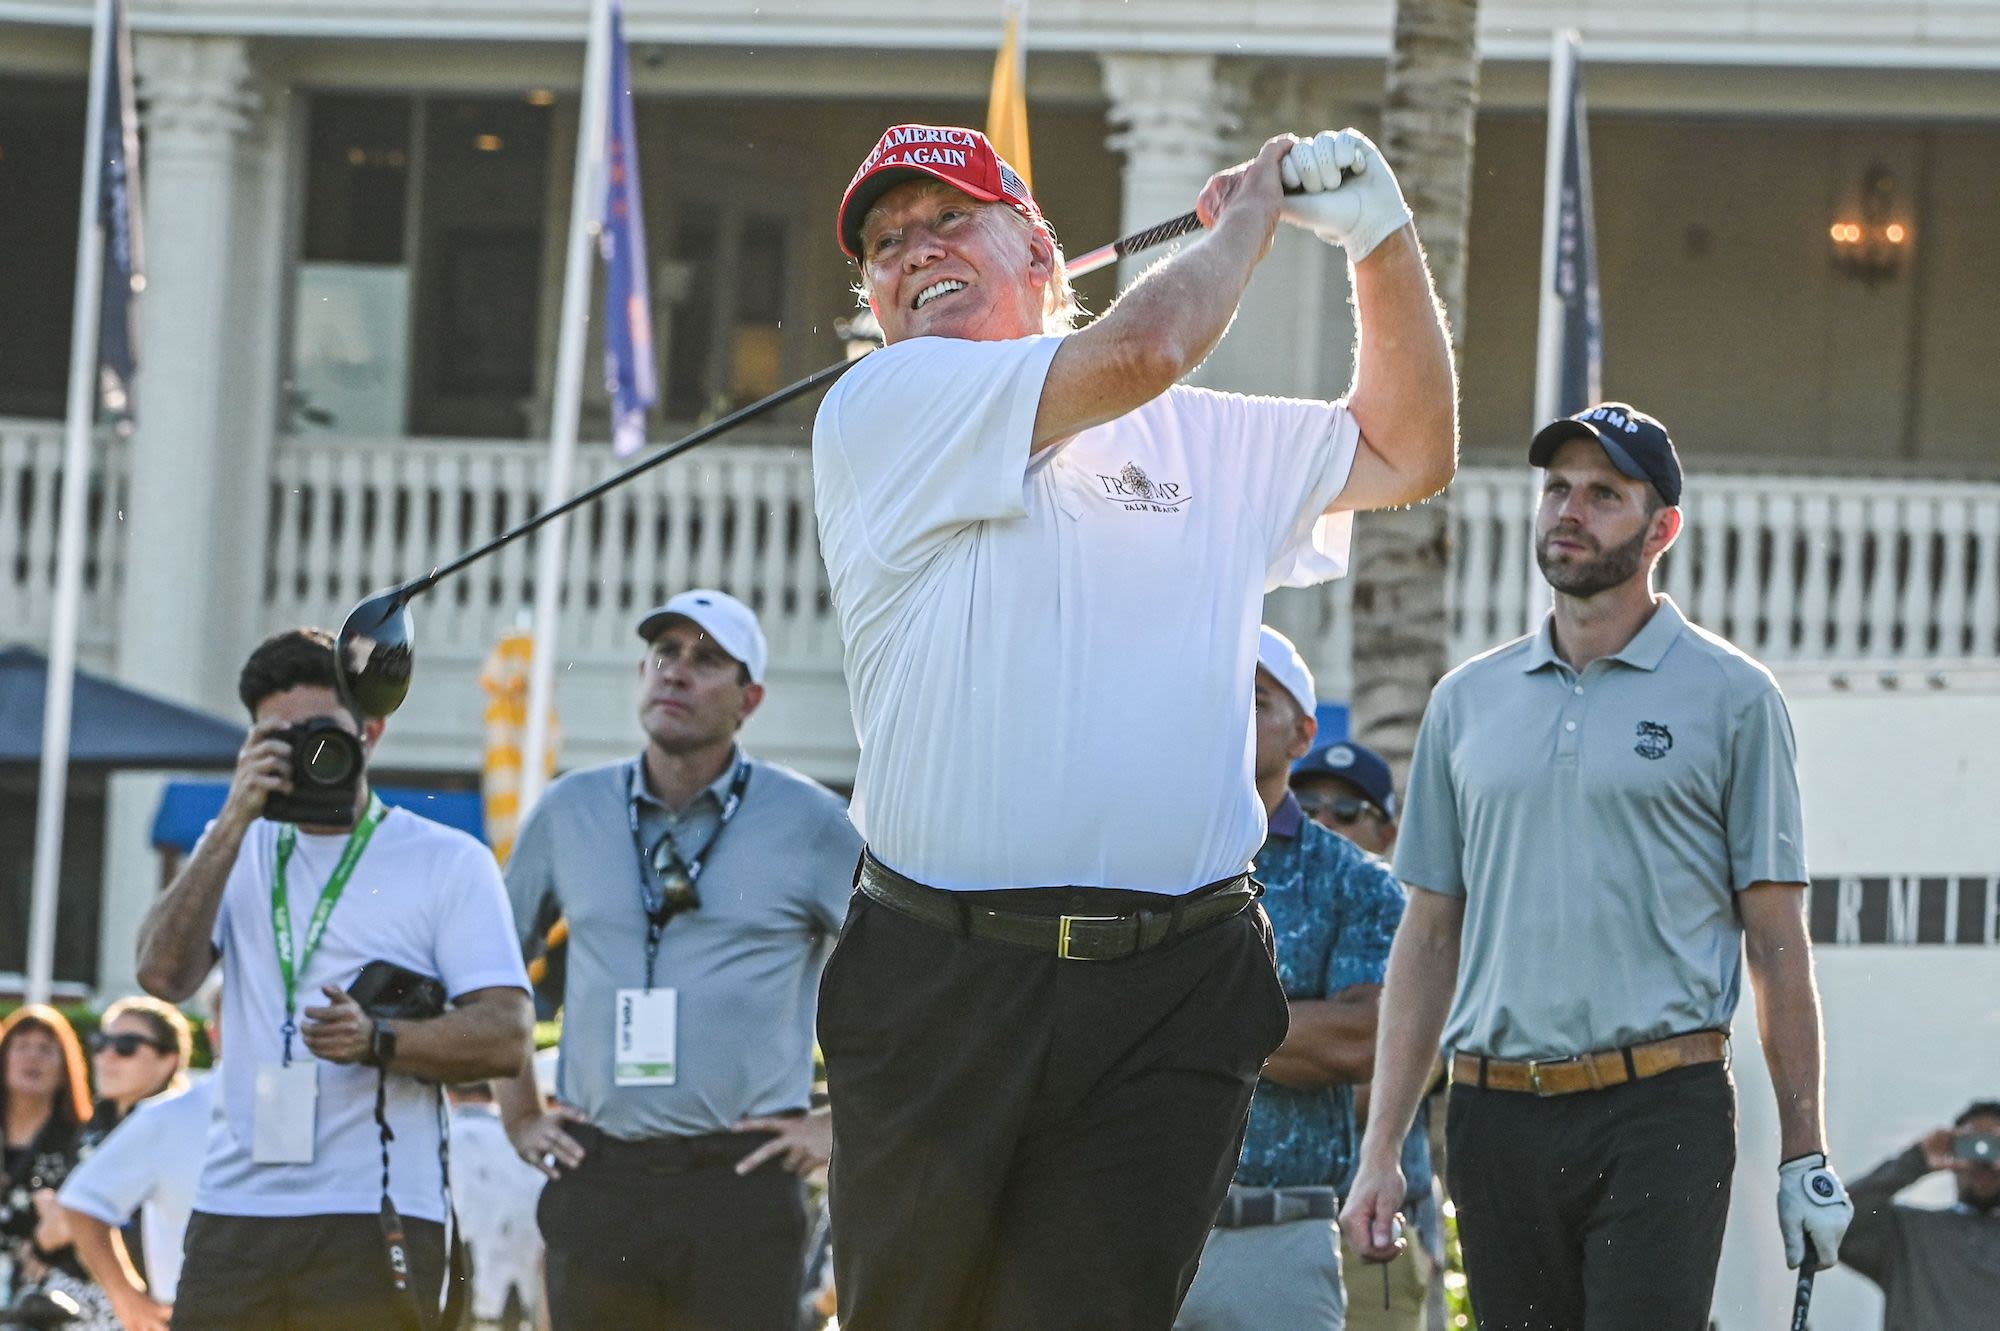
(281, 906)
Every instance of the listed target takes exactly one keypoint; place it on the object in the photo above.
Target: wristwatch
(381, 1044)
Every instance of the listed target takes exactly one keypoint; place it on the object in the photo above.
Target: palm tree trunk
(1401, 624)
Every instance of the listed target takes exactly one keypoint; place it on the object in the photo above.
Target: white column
(194, 521)
(187, 559)
(131, 877)
(1176, 113)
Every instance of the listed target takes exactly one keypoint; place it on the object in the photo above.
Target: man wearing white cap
(1273, 1258)
(702, 889)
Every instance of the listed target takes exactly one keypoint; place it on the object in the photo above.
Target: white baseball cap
(732, 624)
(1276, 654)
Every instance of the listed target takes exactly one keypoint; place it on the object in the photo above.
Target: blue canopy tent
(111, 727)
(188, 806)
(111, 724)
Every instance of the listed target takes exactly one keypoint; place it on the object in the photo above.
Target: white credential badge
(287, 1099)
(643, 1040)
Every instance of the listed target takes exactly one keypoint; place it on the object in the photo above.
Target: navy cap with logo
(1356, 764)
(1636, 443)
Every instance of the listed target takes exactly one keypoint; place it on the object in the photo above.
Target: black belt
(663, 1155)
(1246, 1208)
(1076, 937)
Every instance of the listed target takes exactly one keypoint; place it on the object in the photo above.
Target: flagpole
(79, 420)
(1548, 328)
(551, 543)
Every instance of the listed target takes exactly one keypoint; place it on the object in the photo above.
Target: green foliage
(86, 1019)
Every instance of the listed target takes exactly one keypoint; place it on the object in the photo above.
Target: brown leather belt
(1593, 1071)
(1080, 937)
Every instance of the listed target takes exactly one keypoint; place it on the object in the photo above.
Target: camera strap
(281, 906)
(456, 1277)
(660, 901)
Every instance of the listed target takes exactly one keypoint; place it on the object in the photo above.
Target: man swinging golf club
(1053, 992)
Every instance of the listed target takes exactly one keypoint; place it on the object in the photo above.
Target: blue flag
(118, 214)
(1580, 342)
(628, 316)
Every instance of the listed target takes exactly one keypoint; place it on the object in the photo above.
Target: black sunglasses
(125, 1044)
(1343, 809)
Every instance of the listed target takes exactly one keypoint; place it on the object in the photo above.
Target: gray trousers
(1268, 1276)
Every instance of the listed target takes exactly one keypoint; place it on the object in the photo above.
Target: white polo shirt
(1050, 659)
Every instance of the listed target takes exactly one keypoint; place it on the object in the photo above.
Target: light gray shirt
(744, 966)
(1599, 827)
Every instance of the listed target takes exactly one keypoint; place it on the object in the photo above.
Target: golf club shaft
(1106, 255)
(1172, 229)
(1802, 1295)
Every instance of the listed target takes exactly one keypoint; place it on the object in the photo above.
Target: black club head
(373, 656)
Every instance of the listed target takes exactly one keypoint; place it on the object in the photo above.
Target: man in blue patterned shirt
(1273, 1259)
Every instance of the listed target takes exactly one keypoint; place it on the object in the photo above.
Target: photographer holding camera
(322, 1199)
(1936, 1268)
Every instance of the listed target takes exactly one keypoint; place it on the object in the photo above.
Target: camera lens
(328, 759)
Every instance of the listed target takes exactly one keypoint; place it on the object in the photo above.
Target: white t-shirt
(1050, 659)
(149, 1164)
(424, 896)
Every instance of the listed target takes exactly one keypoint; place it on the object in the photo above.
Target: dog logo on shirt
(1654, 740)
(1136, 492)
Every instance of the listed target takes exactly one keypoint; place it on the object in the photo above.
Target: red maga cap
(961, 158)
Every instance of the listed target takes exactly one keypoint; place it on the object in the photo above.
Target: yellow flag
(1007, 105)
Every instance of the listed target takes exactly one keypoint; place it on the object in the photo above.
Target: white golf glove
(1812, 1204)
(1347, 194)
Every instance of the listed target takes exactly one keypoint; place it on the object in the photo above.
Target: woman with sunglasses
(45, 1108)
(140, 1050)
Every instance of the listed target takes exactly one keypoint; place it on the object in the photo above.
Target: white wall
(1911, 1040)
(1894, 782)
(1904, 781)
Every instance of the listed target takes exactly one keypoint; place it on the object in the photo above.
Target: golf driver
(374, 656)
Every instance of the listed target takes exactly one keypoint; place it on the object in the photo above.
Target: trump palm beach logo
(1136, 492)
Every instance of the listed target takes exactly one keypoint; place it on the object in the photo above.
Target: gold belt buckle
(1535, 1067)
(1062, 934)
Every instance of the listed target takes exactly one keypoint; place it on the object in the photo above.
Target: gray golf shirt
(745, 966)
(1599, 826)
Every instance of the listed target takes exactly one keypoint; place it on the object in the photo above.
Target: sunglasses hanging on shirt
(668, 879)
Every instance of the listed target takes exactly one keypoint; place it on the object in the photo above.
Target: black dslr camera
(326, 775)
(385, 990)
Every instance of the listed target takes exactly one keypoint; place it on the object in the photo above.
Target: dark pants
(644, 1236)
(302, 1273)
(1023, 1143)
(1597, 1211)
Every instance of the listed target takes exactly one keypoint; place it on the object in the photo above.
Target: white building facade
(355, 222)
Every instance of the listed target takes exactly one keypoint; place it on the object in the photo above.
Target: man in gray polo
(703, 890)
(1602, 822)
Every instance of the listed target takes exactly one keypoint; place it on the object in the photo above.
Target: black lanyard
(665, 893)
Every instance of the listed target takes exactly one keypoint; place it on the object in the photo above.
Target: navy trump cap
(1636, 443)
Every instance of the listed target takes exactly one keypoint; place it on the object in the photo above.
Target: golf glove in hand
(1812, 1204)
(1345, 193)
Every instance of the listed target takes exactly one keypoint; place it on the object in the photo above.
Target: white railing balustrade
(1794, 569)
(31, 456)
(349, 518)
